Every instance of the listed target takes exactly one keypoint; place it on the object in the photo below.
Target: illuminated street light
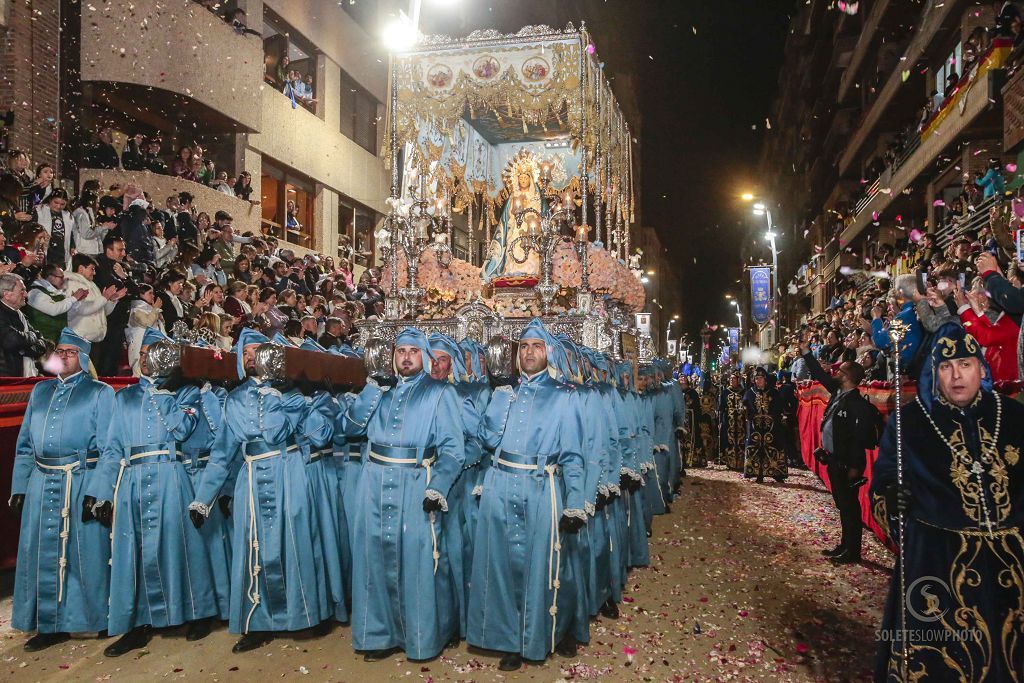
(747, 197)
(759, 206)
(644, 279)
(400, 33)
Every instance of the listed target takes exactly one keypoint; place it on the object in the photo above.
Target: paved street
(737, 591)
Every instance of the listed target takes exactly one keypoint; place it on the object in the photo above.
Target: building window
(288, 205)
(356, 224)
(358, 114)
(289, 61)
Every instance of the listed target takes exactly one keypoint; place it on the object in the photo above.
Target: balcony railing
(155, 50)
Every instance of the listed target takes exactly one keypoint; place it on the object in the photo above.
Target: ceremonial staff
(897, 330)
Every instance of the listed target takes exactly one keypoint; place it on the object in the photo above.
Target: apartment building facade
(881, 118)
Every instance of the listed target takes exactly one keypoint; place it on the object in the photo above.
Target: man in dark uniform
(847, 429)
(113, 270)
(962, 505)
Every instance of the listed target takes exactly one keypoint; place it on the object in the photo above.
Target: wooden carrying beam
(313, 366)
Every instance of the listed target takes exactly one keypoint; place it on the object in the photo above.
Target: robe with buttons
(216, 531)
(657, 470)
(160, 569)
(65, 422)
(400, 598)
(522, 589)
(636, 457)
(279, 568)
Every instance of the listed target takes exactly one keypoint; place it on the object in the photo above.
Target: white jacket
(45, 219)
(88, 235)
(142, 317)
(88, 317)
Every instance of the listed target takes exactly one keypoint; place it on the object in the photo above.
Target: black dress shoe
(133, 640)
(198, 629)
(609, 609)
(846, 557)
(41, 641)
(760, 480)
(454, 642)
(838, 550)
(252, 640)
(378, 655)
(510, 662)
(566, 648)
(321, 629)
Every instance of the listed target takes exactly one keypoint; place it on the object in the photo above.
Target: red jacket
(998, 338)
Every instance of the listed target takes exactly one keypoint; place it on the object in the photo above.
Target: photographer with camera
(849, 426)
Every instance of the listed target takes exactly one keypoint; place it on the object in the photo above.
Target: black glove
(570, 525)
(898, 499)
(431, 505)
(224, 502)
(104, 514)
(502, 382)
(602, 500)
(385, 381)
(284, 385)
(197, 518)
(17, 503)
(174, 381)
(87, 503)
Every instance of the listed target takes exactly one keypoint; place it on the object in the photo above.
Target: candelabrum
(543, 233)
(413, 235)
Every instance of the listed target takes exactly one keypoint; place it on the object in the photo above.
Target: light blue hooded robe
(62, 579)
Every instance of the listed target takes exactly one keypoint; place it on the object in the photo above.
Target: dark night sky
(703, 98)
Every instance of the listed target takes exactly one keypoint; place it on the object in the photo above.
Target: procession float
(520, 137)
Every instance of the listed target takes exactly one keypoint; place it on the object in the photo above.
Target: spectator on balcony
(960, 254)
(207, 268)
(212, 299)
(936, 307)
(152, 159)
(18, 164)
(903, 304)
(185, 226)
(102, 154)
(195, 170)
(237, 18)
(113, 270)
(992, 182)
(166, 249)
(20, 343)
(222, 184)
(132, 228)
(145, 312)
(243, 187)
(88, 233)
(57, 221)
(87, 315)
(169, 293)
(203, 226)
(242, 270)
(235, 303)
(182, 164)
(207, 172)
(48, 304)
(1005, 12)
(132, 156)
(42, 186)
(993, 329)
(11, 214)
(334, 333)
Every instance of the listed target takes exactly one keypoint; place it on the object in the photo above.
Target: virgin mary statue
(524, 195)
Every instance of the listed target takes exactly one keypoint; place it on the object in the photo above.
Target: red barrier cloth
(811, 409)
(14, 393)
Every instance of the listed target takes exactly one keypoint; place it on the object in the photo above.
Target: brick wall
(29, 83)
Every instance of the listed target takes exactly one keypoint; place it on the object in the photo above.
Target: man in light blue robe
(534, 492)
(62, 578)
(637, 460)
(472, 477)
(280, 574)
(655, 486)
(678, 420)
(160, 570)
(216, 532)
(401, 585)
(449, 366)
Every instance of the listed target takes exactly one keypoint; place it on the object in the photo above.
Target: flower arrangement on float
(449, 288)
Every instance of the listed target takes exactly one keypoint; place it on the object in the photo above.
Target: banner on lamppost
(734, 339)
(760, 295)
(672, 348)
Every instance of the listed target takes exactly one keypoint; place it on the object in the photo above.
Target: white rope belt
(120, 474)
(554, 551)
(516, 465)
(253, 560)
(65, 519)
(427, 462)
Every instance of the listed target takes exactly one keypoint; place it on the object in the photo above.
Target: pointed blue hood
(246, 337)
